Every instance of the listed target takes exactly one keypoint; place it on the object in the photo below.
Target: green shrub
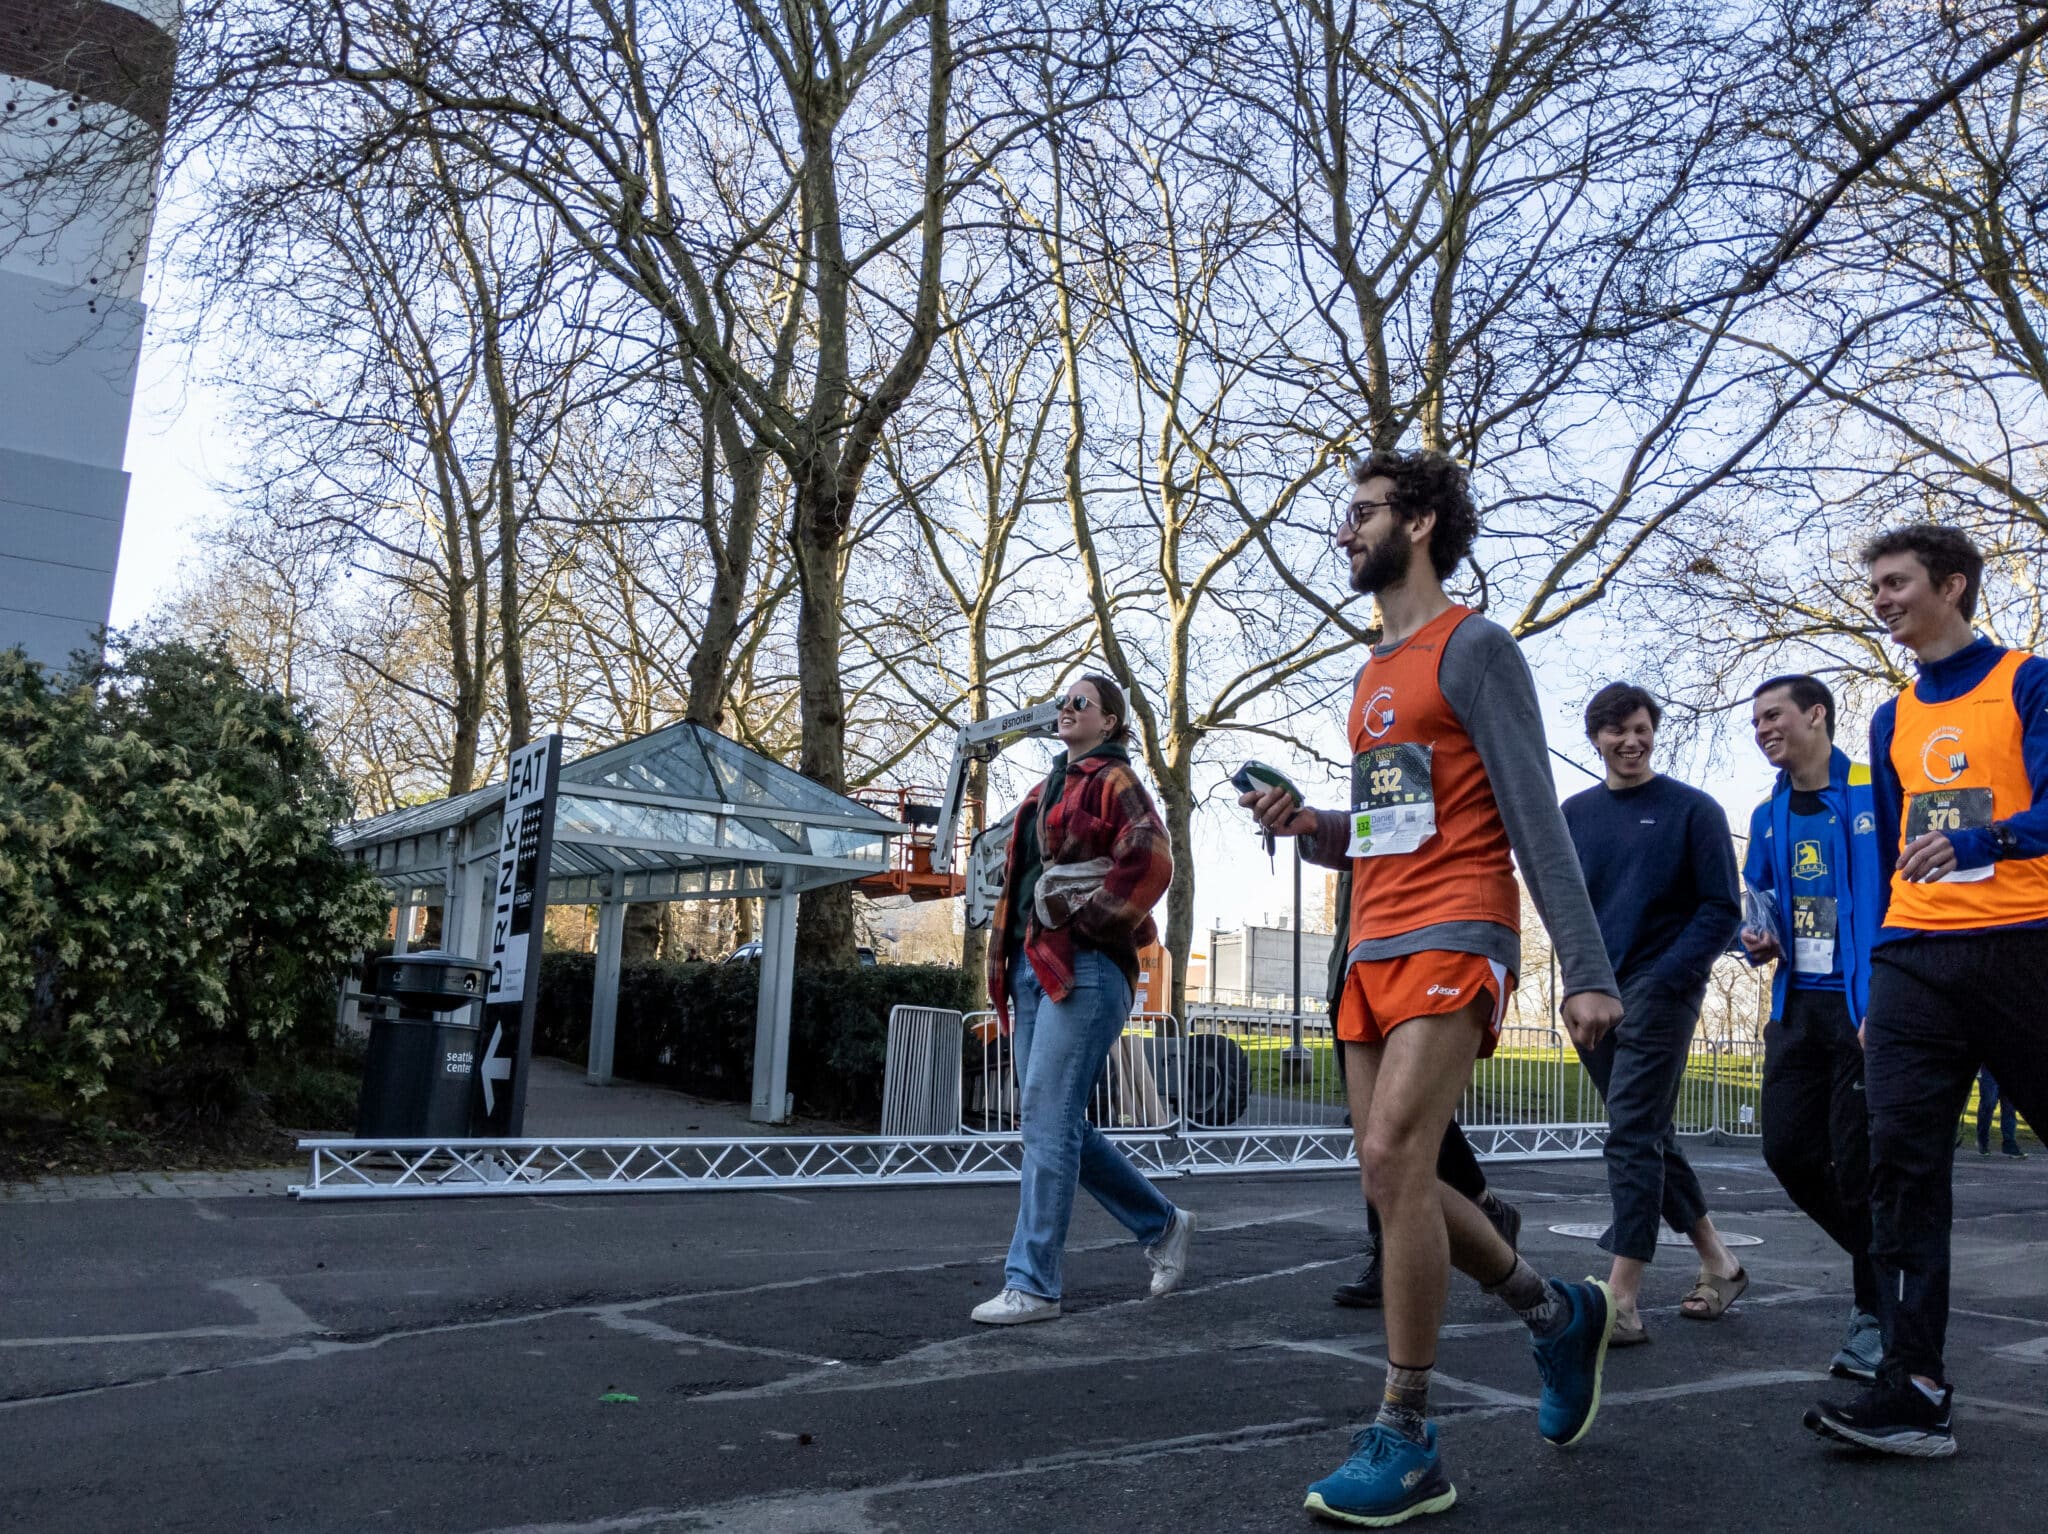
(175, 906)
(691, 1026)
(313, 1094)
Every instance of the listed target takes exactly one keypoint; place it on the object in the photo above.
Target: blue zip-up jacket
(1859, 898)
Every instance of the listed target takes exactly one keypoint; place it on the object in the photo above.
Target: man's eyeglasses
(1357, 514)
(1075, 704)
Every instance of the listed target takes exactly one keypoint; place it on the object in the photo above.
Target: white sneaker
(1013, 1307)
(1169, 1254)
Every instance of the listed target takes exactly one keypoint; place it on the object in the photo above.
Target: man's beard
(1385, 562)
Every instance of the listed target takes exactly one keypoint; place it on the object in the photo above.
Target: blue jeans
(1059, 1048)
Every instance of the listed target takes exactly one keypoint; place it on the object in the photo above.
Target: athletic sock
(1534, 1298)
(1404, 1406)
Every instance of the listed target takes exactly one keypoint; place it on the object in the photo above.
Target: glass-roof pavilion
(679, 814)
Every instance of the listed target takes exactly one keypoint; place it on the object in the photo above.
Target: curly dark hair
(1942, 551)
(1427, 481)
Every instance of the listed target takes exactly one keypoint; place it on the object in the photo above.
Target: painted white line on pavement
(654, 1331)
(276, 1316)
(1064, 1344)
(1993, 1315)
(846, 1512)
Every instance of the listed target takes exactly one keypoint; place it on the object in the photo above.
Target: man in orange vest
(1450, 773)
(1959, 778)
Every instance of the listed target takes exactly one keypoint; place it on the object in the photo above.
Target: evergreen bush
(175, 909)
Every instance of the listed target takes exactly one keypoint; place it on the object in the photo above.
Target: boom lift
(982, 741)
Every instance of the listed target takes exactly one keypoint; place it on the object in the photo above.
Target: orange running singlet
(1962, 766)
(1427, 842)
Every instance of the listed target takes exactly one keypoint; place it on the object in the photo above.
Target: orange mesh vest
(1961, 764)
(1412, 763)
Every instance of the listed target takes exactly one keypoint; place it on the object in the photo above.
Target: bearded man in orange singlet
(1450, 773)
(1959, 788)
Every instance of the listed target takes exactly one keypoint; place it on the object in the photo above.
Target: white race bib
(1395, 808)
(1813, 934)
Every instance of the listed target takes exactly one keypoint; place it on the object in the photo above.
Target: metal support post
(771, 1020)
(1295, 1064)
(401, 928)
(604, 995)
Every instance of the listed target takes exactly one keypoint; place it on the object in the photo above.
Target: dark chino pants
(1941, 1008)
(1639, 1068)
(1817, 1127)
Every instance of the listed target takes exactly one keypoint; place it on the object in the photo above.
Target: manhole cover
(1666, 1236)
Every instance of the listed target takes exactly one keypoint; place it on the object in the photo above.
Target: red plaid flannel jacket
(1103, 811)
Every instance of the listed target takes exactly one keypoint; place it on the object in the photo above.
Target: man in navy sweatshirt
(1660, 866)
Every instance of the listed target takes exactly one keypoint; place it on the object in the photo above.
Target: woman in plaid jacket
(1088, 860)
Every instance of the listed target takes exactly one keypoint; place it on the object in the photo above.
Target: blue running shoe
(1862, 1350)
(1388, 1480)
(1571, 1363)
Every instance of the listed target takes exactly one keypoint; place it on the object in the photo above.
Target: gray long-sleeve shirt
(1487, 684)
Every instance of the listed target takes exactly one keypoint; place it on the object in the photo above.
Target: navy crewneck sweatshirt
(1660, 866)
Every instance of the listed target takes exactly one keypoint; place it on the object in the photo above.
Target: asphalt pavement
(802, 1363)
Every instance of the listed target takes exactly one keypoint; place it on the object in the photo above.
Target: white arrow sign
(496, 1068)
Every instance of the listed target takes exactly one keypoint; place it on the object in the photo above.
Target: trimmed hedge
(691, 1026)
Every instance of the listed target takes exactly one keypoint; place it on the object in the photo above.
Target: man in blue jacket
(1814, 858)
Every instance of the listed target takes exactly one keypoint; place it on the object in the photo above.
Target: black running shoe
(1364, 1293)
(1892, 1419)
(1506, 1218)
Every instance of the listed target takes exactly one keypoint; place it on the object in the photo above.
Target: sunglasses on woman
(1076, 704)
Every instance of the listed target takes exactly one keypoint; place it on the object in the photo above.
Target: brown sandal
(1713, 1294)
(1627, 1336)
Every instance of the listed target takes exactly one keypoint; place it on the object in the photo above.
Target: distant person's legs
(1458, 1168)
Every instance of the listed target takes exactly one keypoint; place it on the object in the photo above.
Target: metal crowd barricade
(1532, 1097)
(1138, 1089)
(921, 1080)
(1264, 1092)
(1723, 1090)
(1237, 1089)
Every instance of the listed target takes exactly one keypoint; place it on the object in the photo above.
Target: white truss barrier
(1236, 1091)
(344, 1169)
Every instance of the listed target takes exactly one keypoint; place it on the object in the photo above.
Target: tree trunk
(824, 929)
(1178, 811)
(641, 939)
(974, 940)
(732, 557)
(469, 708)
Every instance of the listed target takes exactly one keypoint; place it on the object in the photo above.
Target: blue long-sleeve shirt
(1660, 866)
(1943, 681)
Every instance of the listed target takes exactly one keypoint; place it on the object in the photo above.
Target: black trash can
(417, 1076)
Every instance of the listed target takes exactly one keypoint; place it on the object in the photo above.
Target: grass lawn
(1520, 1084)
